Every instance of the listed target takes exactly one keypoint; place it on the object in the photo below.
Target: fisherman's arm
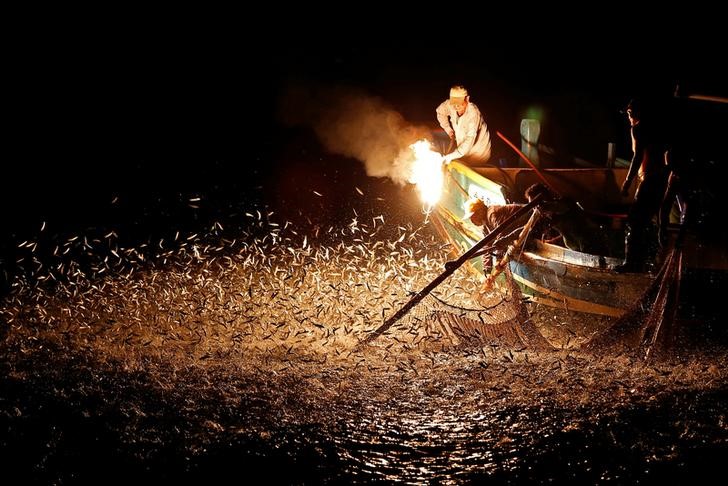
(466, 144)
(443, 118)
(637, 152)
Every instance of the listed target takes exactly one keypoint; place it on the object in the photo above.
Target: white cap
(458, 92)
(458, 95)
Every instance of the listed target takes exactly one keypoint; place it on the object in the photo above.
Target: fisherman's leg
(634, 242)
(636, 247)
(628, 264)
(649, 203)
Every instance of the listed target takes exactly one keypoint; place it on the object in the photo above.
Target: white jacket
(471, 132)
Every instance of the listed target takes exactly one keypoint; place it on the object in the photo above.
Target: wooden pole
(528, 161)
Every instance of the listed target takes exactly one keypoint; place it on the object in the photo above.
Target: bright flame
(426, 172)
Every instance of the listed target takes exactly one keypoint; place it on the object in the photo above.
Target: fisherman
(576, 229)
(648, 165)
(465, 126)
(490, 217)
(675, 193)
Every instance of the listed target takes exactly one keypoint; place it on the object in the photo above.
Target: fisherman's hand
(448, 158)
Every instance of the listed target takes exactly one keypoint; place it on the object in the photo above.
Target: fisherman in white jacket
(464, 124)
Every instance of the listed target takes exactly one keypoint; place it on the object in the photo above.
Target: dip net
(648, 327)
(472, 312)
(497, 317)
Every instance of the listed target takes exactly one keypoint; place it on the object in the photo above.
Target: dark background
(149, 131)
(121, 127)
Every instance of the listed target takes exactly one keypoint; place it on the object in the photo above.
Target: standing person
(648, 165)
(464, 124)
(675, 193)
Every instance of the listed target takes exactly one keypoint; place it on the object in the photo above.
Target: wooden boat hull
(547, 274)
(559, 281)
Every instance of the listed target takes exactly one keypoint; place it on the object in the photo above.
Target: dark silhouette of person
(648, 166)
(676, 191)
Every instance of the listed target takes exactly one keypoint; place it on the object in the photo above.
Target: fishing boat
(548, 273)
(627, 308)
(545, 273)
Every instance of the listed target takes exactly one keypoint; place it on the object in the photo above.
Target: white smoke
(357, 125)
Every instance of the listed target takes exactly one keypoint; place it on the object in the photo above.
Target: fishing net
(458, 317)
(489, 312)
(647, 328)
(498, 318)
(495, 313)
